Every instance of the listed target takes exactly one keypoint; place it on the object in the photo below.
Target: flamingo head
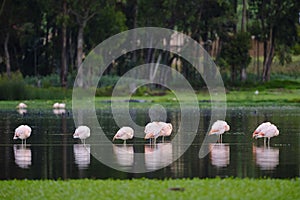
(259, 135)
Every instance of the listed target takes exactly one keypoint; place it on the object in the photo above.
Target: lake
(52, 153)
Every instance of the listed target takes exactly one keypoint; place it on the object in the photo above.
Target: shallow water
(52, 153)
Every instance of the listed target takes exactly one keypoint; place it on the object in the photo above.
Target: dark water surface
(52, 153)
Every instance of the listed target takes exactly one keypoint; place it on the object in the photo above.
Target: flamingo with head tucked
(267, 131)
(124, 133)
(22, 132)
(21, 106)
(218, 128)
(153, 130)
(82, 132)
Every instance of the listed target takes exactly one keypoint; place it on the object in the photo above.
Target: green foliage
(12, 87)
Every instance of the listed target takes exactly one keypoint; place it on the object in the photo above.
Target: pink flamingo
(59, 105)
(22, 132)
(267, 131)
(218, 128)
(124, 133)
(157, 129)
(82, 132)
(21, 106)
(260, 128)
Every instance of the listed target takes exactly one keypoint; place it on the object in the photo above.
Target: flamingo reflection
(22, 156)
(82, 155)
(158, 156)
(59, 111)
(267, 158)
(124, 154)
(219, 154)
(22, 111)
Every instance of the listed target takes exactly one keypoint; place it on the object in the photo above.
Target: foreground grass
(151, 189)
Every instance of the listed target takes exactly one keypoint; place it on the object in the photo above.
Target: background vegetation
(43, 43)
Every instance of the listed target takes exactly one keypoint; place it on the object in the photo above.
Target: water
(52, 153)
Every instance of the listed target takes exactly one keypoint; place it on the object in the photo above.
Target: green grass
(267, 97)
(151, 189)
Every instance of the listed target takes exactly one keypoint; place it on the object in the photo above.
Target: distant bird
(124, 133)
(157, 129)
(59, 105)
(256, 92)
(21, 106)
(82, 132)
(266, 131)
(218, 128)
(22, 132)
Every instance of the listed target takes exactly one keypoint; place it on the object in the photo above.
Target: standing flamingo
(260, 128)
(152, 130)
(166, 129)
(21, 106)
(124, 133)
(156, 129)
(268, 131)
(59, 105)
(82, 132)
(22, 132)
(218, 128)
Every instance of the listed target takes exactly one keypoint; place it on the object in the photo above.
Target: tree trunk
(7, 56)
(80, 45)
(269, 58)
(244, 16)
(233, 74)
(243, 74)
(80, 55)
(63, 72)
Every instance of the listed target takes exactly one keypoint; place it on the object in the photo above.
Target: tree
(235, 54)
(277, 25)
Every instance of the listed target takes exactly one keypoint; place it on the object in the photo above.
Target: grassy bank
(151, 189)
(268, 97)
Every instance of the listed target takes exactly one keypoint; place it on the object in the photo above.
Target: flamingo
(152, 130)
(22, 132)
(260, 128)
(59, 105)
(156, 129)
(124, 133)
(268, 131)
(218, 128)
(82, 132)
(166, 129)
(21, 106)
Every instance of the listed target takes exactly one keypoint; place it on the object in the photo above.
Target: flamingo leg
(163, 139)
(221, 137)
(264, 141)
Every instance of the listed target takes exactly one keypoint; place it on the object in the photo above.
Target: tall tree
(277, 20)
